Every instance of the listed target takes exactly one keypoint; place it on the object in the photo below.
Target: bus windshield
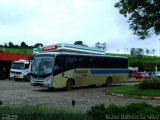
(17, 66)
(42, 65)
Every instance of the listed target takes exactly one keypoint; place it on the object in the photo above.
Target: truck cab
(20, 70)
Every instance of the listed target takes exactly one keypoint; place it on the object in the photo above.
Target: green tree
(38, 44)
(153, 52)
(147, 51)
(143, 16)
(132, 51)
(16, 46)
(78, 43)
(11, 45)
(101, 45)
(6, 45)
(30, 46)
(138, 52)
(98, 45)
(24, 45)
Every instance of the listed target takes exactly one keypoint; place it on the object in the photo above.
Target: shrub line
(133, 96)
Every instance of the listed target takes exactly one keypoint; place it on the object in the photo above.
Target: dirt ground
(22, 93)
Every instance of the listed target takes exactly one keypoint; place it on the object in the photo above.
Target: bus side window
(83, 62)
(59, 65)
(56, 67)
(71, 62)
(108, 62)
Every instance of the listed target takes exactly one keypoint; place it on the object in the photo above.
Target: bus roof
(64, 47)
(77, 54)
(22, 61)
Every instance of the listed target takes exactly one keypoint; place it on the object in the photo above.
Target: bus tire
(69, 84)
(109, 81)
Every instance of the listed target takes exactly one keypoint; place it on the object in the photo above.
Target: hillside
(144, 63)
(17, 50)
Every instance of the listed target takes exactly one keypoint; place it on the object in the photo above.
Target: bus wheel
(109, 81)
(69, 84)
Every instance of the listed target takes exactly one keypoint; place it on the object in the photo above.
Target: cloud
(46, 19)
(59, 21)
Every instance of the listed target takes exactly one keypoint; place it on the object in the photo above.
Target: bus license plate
(17, 76)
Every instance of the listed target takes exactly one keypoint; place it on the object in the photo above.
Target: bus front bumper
(16, 76)
(46, 83)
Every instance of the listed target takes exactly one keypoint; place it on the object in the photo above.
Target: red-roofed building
(6, 61)
(13, 57)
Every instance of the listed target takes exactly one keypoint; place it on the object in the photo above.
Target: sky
(66, 21)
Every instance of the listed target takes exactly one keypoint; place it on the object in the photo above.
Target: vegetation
(98, 112)
(23, 48)
(145, 63)
(133, 111)
(22, 45)
(41, 112)
(101, 45)
(79, 42)
(143, 16)
(17, 50)
(135, 91)
(150, 84)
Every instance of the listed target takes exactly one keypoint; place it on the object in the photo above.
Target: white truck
(20, 70)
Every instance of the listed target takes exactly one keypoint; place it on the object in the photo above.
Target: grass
(132, 111)
(135, 91)
(17, 50)
(42, 112)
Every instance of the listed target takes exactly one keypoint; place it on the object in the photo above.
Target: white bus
(68, 70)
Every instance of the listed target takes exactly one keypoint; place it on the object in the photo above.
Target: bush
(98, 112)
(149, 84)
(41, 112)
(134, 108)
(131, 111)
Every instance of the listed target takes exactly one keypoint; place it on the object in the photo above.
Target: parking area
(22, 93)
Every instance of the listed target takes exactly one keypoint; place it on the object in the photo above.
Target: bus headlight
(48, 82)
